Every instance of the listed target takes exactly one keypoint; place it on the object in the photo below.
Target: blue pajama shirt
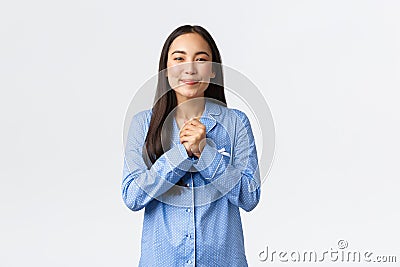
(197, 224)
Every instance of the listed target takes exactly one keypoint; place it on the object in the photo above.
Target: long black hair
(165, 98)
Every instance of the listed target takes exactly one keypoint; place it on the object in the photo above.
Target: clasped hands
(193, 136)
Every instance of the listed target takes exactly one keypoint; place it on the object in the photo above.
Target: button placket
(192, 235)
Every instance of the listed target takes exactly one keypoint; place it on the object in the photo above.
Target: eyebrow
(197, 53)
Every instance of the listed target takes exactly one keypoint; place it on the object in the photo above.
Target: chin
(190, 93)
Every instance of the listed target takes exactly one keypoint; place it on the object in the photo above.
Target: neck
(190, 108)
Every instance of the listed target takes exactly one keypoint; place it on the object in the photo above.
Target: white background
(69, 69)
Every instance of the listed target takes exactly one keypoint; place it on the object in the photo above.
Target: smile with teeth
(190, 82)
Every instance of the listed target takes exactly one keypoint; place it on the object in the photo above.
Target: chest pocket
(221, 139)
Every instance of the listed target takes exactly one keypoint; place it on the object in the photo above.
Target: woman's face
(189, 66)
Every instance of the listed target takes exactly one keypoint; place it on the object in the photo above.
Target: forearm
(141, 185)
(239, 183)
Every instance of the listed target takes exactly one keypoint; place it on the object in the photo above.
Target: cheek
(174, 70)
(173, 74)
(205, 70)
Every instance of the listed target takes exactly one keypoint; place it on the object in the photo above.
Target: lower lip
(191, 82)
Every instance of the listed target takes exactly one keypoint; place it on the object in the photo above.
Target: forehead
(189, 42)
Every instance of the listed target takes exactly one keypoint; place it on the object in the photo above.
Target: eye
(178, 58)
(201, 59)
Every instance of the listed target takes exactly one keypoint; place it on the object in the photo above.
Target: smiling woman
(189, 70)
(191, 49)
(191, 161)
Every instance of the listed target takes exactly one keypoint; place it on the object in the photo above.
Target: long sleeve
(239, 181)
(141, 184)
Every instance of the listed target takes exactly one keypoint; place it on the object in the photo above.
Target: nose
(190, 68)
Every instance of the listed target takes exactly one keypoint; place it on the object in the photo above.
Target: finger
(194, 125)
(191, 130)
(188, 130)
(189, 127)
(197, 123)
(191, 147)
(197, 154)
(192, 120)
(186, 124)
(195, 136)
(196, 133)
(189, 139)
(187, 147)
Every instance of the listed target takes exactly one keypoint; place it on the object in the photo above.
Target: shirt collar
(210, 108)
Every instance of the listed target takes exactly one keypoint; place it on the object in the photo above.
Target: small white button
(188, 210)
(189, 261)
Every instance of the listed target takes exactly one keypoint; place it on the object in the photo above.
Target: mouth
(190, 81)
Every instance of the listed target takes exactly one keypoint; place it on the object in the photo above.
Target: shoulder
(142, 116)
(141, 120)
(240, 114)
(236, 115)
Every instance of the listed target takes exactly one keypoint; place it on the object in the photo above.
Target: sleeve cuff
(178, 158)
(208, 162)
